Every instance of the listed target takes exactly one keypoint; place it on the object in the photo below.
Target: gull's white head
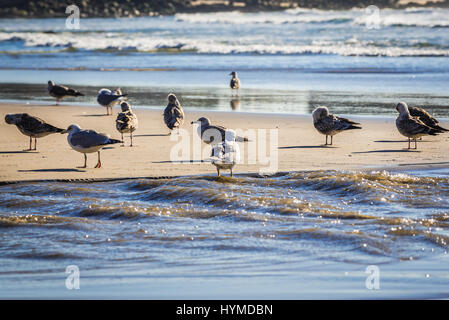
(319, 113)
(402, 108)
(50, 83)
(230, 135)
(73, 128)
(104, 91)
(203, 121)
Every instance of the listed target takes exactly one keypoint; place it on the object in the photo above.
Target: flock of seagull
(412, 122)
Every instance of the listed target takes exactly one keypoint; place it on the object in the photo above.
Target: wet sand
(300, 146)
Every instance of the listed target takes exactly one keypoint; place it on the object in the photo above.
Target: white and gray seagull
(88, 141)
(213, 133)
(109, 99)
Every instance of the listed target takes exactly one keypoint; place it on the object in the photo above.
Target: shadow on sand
(53, 170)
(386, 151)
(308, 147)
(23, 151)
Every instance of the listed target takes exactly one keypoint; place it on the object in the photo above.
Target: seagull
(87, 141)
(60, 91)
(225, 155)
(126, 121)
(31, 126)
(235, 82)
(330, 125)
(208, 132)
(109, 99)
(173, 113)
(412, 127)
(425, 117)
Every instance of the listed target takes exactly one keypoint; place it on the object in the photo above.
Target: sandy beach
(300, 147)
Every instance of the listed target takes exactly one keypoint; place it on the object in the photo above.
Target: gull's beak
(64, 131)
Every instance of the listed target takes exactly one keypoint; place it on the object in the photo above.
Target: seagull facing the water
(235, 82)
(87, 141)
(59, 91)
(31, 126)
(173, 113)
(126, 121)
(412, 127)
(109, 99)
(330, 125)
(213, 133)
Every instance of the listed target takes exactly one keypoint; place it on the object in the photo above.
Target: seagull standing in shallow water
(330, 125)
(87, 141)
(412, 127)
(59, 91)
(235, 82)
(31, 126)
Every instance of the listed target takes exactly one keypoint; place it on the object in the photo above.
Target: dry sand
(300, 146)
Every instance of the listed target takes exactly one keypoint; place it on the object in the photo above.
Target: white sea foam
(295, 31)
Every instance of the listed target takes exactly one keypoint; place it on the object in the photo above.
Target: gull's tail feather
(241, 139)
(113, 141)
(353, 127)
(438, 127)
(74, 93)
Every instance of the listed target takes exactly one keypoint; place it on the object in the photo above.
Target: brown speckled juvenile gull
(173, 113)
(126, 121)
(412, 127)
(31, 126)
(87, 141)
(59, 91)
(330, 125)
(425, 117)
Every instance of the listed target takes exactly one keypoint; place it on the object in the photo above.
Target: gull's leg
(218, 172)
(408, 143)
(85, 161)
(131, 140)
(416, 143)
(35, 143)
(332, 139)
(31, 143)
(326, 141)
(99, 161)
(57, 101)
(231, 172)
(123, 143)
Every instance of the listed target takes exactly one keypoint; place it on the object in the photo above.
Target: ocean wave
(112, 42)
(286, 17)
